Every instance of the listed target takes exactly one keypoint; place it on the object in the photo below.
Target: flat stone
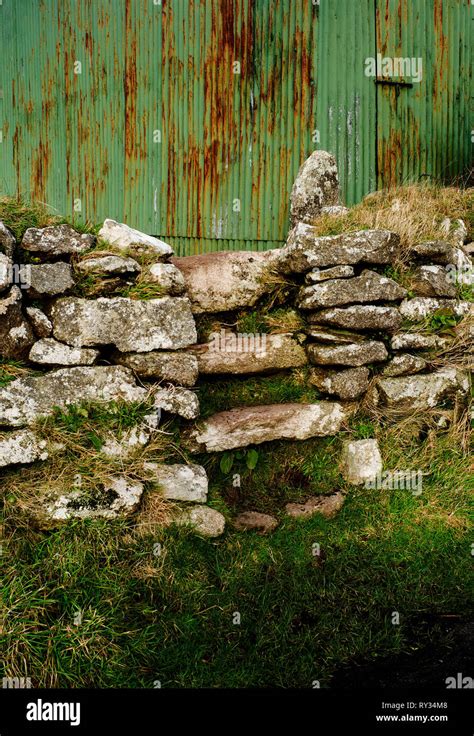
(119, 499)
(6, 272)
(177, 400)
(109, 265)
(16, 335)
(219, 282)
(422, 391)
(358, 354)
(316, 186)
(21, 447)
(368, 287)
(51, 352)
(318, 275)
(327, 506)
(438, 251)
(236, 428)
(332, 337)
(131, 325)
(180, 368)
(168, 276)
(56, 240)
(421, 307)
(402, 365)
(7, 240)
(123, 237)
(255, 521)
(229, 353)
(360, 317)
(361, 461)
(26, 399)
(346, 384)
(417, 341)
(178, 482)
(205, 521)
(305, 250)
(47, 279)
(39, 321)
(433, 280)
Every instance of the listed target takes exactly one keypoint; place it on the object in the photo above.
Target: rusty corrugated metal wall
(189, 119)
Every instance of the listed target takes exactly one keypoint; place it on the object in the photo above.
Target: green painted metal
(189, 119)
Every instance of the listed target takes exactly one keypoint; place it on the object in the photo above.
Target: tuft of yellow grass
(415, 212)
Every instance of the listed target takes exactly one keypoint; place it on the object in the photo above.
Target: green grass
(170, 618)
(222, 395)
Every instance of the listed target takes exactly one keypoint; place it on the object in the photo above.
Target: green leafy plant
(227, 460)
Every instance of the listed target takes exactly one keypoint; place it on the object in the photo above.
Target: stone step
(253, 425)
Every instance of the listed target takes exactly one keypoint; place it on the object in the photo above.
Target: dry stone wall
(359, 330)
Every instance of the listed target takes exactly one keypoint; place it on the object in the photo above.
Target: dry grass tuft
(415, 212)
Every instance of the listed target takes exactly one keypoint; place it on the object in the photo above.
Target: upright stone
(316, 186)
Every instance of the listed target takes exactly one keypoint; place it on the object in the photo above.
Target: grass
(415, 212)
(222, 395)
(166, 613)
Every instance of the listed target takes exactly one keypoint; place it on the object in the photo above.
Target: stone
(124, 237)
(226, 280)
(360, 317)
(21, 447)
(336, 210)
(368, 287)
(6, 272)
(131, 325)
(7, 241)
(336, 272)
(305, 250)
(205, 521)
(177, 400)
(229, 353)
(42, 326)
(109, 265)
(438, 251)
(346, 384)
(421, 307)
(357, 354)
(316, 186)
(417, 341)
(455, 229)
(46, 279)
(48, 351)
(180, 368)
(402, 365)
(332, 337)
(433, 280)
(422, 391)
(253, 425)
(255, 521)
(119, 498)
(16, 335)
(56, 240)
(168, 276)
(178, 482)
(26, 399)
(327, 506)
(132, 440)
(361, 461)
